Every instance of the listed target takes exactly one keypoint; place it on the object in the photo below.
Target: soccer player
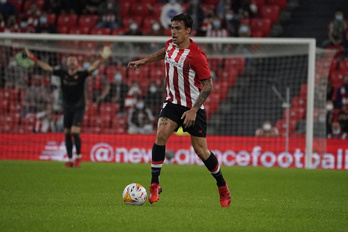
(72, 84)
(188, 84)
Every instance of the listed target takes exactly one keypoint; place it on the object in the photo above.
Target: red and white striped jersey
(185, 68)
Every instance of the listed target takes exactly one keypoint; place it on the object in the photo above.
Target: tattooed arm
(190, 115)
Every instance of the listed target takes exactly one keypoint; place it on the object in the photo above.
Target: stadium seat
(39, 3)
(88, 21)
(207, 7)
(91, 109)
(281, 126)
(108, 109)
(124, 9)
(296, 113)
(63, 29)
(3, 107)
(215, 63)
(222, 87)
(51, 18)
(152, 2)
(261, 25)
(118, 31)
(303, 91)
(100, 31)
(79, 30)
(259, 3)
(157, 73)
(138, 75)
(211, 2)
(88, 45)
(101, 121)
(147, 22)
(227, 75)
(119, 122)
(298, 102)
(336, 78)
(28, 120)
(156, 10)
(280, 3)
(235, 64)
(140, 9)
(66, 20)
(270, 12)
(12, 119)
(14, 107)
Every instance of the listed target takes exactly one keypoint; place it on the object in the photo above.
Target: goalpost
(285, 69)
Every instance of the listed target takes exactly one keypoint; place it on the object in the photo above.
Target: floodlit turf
(45, 196)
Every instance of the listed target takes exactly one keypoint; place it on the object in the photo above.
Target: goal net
(267, 107)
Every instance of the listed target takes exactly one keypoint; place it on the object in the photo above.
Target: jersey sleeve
(199, 64)
(58, 72)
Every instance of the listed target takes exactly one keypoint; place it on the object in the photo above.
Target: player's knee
(202, 152)
(161, 138)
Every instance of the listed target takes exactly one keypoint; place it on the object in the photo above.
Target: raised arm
(159, 55)
(104, 55)
(41, 64)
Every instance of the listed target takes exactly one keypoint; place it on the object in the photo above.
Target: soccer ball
(134, 194)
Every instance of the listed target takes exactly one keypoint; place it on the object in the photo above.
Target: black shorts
(174, 113)
(73, 116)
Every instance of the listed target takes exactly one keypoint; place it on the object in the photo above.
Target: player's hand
(105, 53)
(30, 55)
(135, 64)
(189, 117)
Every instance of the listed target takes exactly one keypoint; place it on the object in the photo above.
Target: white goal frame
(310, 42)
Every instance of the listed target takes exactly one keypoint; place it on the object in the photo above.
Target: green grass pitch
(45, 196)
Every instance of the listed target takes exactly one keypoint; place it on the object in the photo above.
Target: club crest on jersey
(76, 76)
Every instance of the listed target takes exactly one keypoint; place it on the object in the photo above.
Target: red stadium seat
(79, 30)
(259, 3)
(296, 114)
(156, 10)
(271, 13)
(91, 109)
(147, 22)
(67, 20)
(17, 4)
(12, 119)
(298, 102)
(51, 18)
(119, 122)
(281, 126)
(108, 109)
(14, 108)
(100, 31)
(3, 107)
(336, 78)
(215, 63)
(63, 29)
(138, 75)
(88, 21)
(118, 31)
(280, 3)
(88, 45)
(100, 121)
(222, 87)
(125, 9)
(207, 7)
(152, 2)
(39, 3)
(211, 2)
(140, 9)
(303, 91)
(235, 64)
(157, 74)
(261, 25)
(227, 75)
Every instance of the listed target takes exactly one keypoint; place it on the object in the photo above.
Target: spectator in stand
(118, 92)
(45, 27)
(36, 97)
(342, 95)
(2, 23)
(219, 32)
(91, 6)
(169, 10)
(133, 29)
(343, 120)
(44, 120)
(231, 23)
(140, 119)
(7, 9)
(267, 130)
(244, 30)
(133, 93)
(53, 7)
(330, 90)
(207, 22)
(248, 9)
(154, 98)
(72, 7)
(197, 14)
(226, 5)
(337, 28)
(12, 25)
(329, 115)
(98, 95)
(32, 17)
(156, 29)
(14, 76)
(109, 15)
(337, 132)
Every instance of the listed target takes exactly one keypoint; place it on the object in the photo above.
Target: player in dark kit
(188, 84)
(72, 84)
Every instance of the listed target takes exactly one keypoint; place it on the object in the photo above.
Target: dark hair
(185, 18)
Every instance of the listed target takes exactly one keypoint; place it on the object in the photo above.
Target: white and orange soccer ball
(134, 194)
